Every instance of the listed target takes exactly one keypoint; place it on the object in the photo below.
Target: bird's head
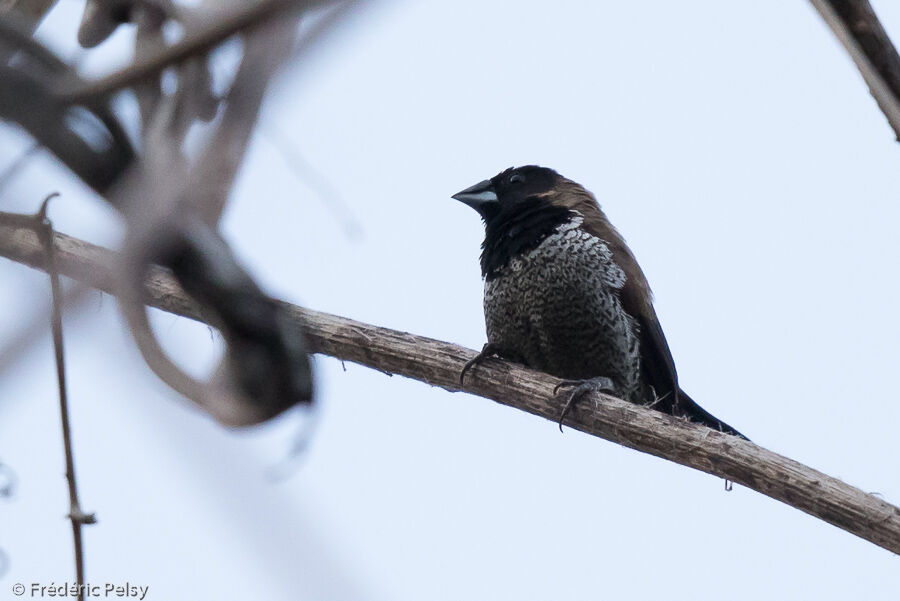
(520, 208)
(512, 191)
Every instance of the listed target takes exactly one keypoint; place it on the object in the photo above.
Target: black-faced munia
(563, 293)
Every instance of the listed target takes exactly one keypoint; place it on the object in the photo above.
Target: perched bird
(563, 293)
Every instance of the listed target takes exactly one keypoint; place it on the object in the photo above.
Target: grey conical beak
(478, 196)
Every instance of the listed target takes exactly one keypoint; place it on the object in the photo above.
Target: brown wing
(637, 300)
(657, 364)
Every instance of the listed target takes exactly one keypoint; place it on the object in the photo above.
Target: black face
(518, 211)
(518, 185)
(509, 190)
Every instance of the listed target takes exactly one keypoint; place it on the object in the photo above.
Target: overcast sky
(733, 144)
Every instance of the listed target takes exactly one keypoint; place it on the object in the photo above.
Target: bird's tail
(694, 412)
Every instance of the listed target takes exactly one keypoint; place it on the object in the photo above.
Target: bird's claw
(489, 350)
(579, 389)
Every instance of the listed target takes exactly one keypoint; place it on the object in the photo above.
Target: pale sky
(733, 144)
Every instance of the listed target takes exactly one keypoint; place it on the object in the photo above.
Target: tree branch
(856, 25)
(439, 364)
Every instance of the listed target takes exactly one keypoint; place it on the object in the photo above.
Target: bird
(564, 294)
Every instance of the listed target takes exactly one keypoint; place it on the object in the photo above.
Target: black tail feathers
(685, 406)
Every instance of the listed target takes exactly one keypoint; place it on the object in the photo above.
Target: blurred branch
(216, 169)
(172, 207)
(8, 483)
(439, 364)
(307, 174)
(196, 43)
(856, 25)
(172, 204)
(29, 11)
(92, 143)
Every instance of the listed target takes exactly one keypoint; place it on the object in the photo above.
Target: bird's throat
(510, 234)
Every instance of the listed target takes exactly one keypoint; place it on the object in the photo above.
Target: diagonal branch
(856, 25)
(439, 364)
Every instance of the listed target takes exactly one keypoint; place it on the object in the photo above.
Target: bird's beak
(478, 196)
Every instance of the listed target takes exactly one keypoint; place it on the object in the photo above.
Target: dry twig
(41, 226)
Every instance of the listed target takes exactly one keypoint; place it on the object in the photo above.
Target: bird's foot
(581, 388)
(489, 350)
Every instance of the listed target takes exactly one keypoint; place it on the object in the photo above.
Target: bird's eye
(516, 178)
